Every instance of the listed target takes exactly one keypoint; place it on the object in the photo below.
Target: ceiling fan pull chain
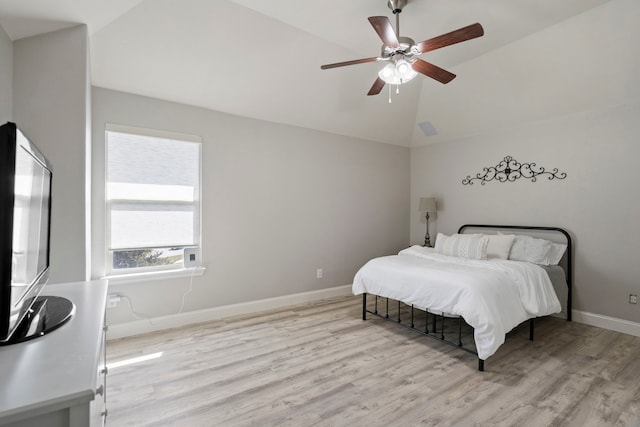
(398, 88)
(389, 94)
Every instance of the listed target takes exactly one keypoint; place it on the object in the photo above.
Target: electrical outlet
(319, 273)
(633, 299)
(113, 300)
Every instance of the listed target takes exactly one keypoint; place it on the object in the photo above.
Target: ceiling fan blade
(462, 34)
(385, 31)
(433, 71)
(355, 61)
(377, 87)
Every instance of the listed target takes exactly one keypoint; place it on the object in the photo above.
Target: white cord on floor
(137, 315)
(189, 290)
(143, 316)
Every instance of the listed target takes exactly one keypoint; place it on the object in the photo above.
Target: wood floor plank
(631, 413)
(319, 364)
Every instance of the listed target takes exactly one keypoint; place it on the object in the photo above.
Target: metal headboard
(568, 265)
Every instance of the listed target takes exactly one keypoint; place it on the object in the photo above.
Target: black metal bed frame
(433, 333)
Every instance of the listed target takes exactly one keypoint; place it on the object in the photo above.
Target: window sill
(154, 275)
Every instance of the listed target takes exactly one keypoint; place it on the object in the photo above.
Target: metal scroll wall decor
(509, 170)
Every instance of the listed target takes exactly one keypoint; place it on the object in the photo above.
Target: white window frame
(167, 268)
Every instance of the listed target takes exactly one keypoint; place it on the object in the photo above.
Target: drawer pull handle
(104, 371)
(100, 390)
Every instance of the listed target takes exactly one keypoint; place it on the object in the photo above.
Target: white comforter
(493, 296)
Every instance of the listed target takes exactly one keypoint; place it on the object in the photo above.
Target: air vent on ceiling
(428, 129)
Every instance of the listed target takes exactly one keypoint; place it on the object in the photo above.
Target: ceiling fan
(402, 52)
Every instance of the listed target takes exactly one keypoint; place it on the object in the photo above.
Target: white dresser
(59, 379)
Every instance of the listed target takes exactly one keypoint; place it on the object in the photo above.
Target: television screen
(25, 203)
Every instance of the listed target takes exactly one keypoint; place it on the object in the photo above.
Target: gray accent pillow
(530, 249)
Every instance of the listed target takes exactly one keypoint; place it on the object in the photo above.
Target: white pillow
(472, 246)
(499, 245)
(529, 249)
(555, 253)
(441, 239)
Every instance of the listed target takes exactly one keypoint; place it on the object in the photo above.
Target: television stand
(46, 314)
(59, 379)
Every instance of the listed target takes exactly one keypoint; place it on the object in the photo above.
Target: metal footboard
(432, 332)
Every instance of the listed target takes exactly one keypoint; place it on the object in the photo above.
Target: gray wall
(6, 77)
(597, 202)
(278, 202)
(50, 102)
(577, 114)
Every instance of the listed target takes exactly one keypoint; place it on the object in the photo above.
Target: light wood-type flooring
(319, 364)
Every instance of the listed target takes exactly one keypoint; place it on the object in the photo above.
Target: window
(152, 199)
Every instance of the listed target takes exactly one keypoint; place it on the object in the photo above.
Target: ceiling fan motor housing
(407, 48)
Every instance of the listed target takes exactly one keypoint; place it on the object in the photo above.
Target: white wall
(6, 77)
(587, 62)
(278, 203)
(568, 98)
(50, 102)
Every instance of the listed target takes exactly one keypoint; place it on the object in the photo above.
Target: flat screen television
(25, 220)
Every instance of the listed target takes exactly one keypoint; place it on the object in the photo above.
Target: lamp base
(427, 239)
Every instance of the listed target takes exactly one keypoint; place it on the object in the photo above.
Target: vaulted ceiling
(261, 59)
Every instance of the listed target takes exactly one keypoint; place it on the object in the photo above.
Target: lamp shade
(427, 204)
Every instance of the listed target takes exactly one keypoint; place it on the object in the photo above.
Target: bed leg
(480, 365)
(426, 321)
(442, 328)
(531, 329)
(364, 306)
(412, 325)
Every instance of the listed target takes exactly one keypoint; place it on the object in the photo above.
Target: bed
(490, 278)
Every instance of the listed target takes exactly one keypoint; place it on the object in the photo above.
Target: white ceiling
(262, 59)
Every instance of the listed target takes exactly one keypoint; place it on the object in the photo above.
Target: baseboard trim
(144, 326)
(606, 322)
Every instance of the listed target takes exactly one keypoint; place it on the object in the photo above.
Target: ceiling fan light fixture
(405, 70)
(398, 72)
(388, 73)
